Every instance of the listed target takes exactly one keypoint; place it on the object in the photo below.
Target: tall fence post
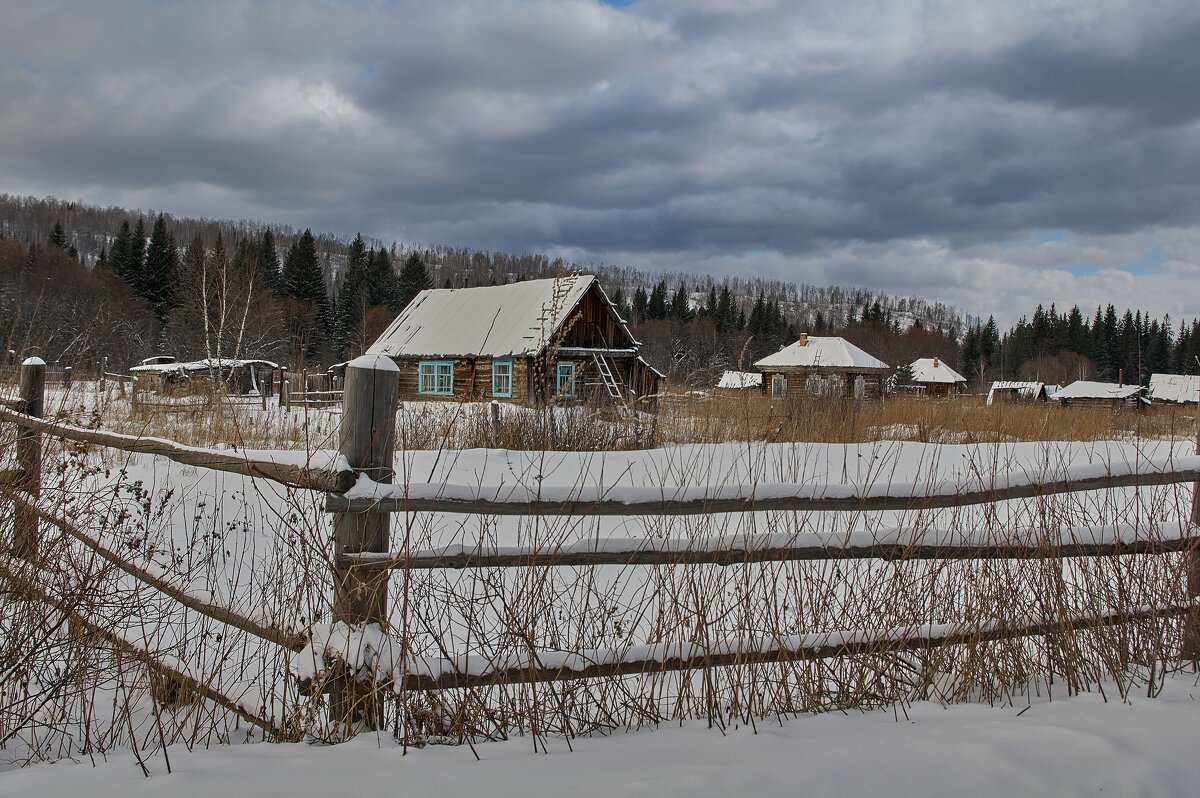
(1191, 628)
(29, 458)
(368, 441)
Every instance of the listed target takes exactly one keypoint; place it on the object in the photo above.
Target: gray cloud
(914, 147)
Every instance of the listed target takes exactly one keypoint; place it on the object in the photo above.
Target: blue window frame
(436, 377)
(566, 379)
(502, 377)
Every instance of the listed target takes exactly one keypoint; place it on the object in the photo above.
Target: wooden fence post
(29, 458)
(368, 441)
(1191, 628)
(494, 414)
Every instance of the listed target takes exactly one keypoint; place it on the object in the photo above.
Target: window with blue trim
(502, 377)
(436, 377)
(566, 379)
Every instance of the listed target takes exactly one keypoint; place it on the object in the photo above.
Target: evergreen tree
(681, 306)
(641, 305)
(303, 277)
(656, 307)
(381, 280)
(351, 304)
(58, 236)
(122, 248)
(413, 279)
(159, 281)
(135, 263)
(268, 262)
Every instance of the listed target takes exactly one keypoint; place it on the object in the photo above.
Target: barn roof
(1175, 387)
(492, 321)
(932, 369)
(822, 352)
(1084, 389)
(740, 379)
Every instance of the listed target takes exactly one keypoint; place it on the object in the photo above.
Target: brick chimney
(935, 362)
(803, 339)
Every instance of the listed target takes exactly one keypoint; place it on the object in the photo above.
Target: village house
(557, 340)
(737, 380)
(1083, 393)
(935, 378)
(1016, 391)
(164, 374)
(1176, 388)
(823, 366)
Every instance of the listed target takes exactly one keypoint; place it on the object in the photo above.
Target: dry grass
(67, 695)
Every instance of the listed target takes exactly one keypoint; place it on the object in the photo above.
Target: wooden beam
(742, 504)
(699, 658)
(296, 476)
(654, 553)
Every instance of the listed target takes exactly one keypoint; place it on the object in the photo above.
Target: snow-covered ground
(1080, 745)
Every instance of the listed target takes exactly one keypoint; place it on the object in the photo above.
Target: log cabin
(822, 366)
(533, 343)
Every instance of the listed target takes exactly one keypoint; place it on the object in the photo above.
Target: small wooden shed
(823, 366)
(557, 340)
(1175, 388)
(1017, 391)
(936, 378)
(1084, 393)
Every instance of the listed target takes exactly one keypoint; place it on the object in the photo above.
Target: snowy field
(1077, 746)
(975, 719)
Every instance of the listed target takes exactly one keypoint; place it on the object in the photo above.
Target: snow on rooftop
(932, 369)
(1084, 389)
(1175, 387)
(740, 379)
(492, 321)
(821, 351)
(198, 365)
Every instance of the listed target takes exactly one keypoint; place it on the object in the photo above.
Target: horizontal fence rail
(506, 500)
(724, 553)
(327, 477)
(555, 666)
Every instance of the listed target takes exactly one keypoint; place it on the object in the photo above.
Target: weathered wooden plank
(297, 476)
(218, 612)
(665, 556)
(702, 659)
(928, 501)
(31, 391)
(29, 587)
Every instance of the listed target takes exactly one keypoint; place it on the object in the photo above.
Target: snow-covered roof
(932, 369)
(1025, 390)
(821, 352)
(199, 365)
(1175, 387)
(1084, 389)
(740, 379)
(492, 321)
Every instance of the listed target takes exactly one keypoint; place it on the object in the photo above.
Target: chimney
(803, 339)
(935, 362)
(1121, 378)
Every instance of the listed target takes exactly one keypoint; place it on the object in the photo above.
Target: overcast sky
(989, 153)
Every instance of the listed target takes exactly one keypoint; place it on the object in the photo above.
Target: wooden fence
(302, 389)
(362, 564)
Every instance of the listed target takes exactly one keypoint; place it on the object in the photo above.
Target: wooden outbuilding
(1181, 389)
(823, 366)
(1017, 391)
(1084, 393)
(162, 373)
(558, 340)
(935, 378)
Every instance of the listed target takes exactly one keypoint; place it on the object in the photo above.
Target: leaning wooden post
(1191, 628)
(29, 458)
(368, 441)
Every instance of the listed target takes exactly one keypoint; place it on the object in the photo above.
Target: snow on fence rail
(361, 498)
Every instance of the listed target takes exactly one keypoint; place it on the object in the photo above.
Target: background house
(1178, 388)
(823, 366)
(533, 342)
(740, 379)
(1101, 394)
(935, 377)
(1017, 391)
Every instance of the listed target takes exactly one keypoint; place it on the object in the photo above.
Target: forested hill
(82, 282)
